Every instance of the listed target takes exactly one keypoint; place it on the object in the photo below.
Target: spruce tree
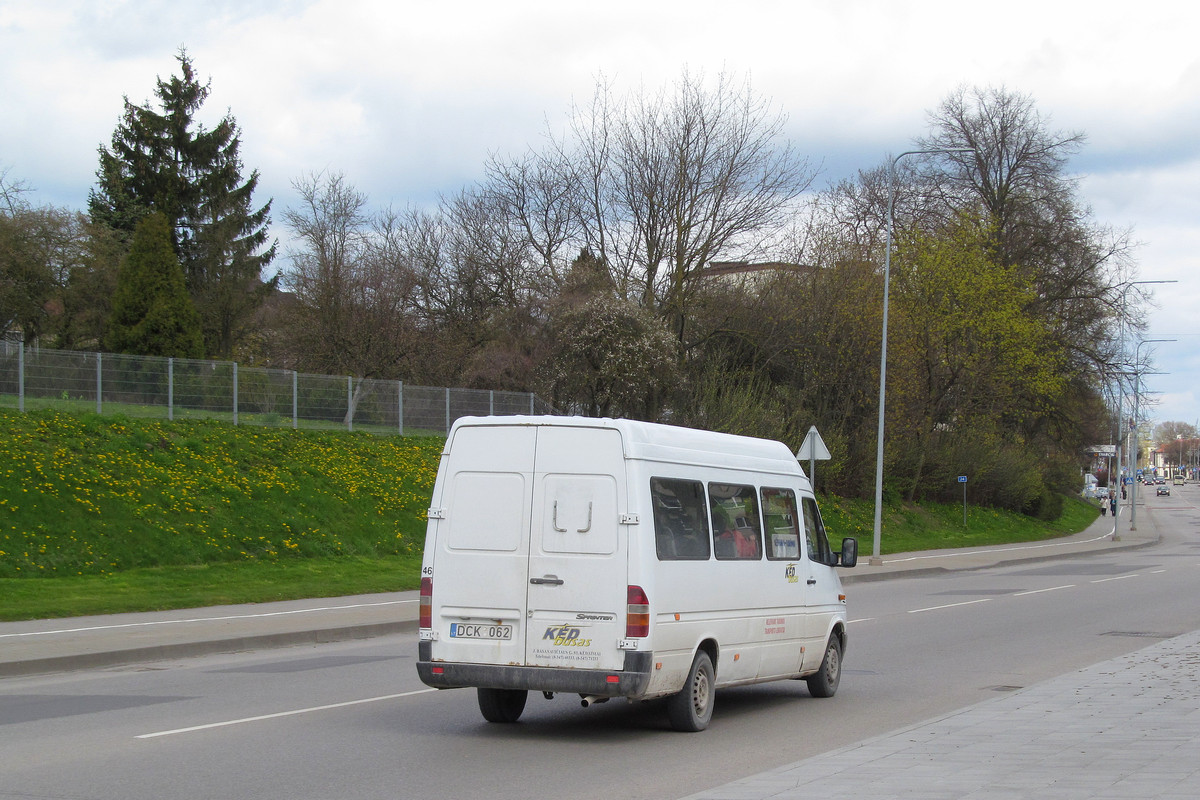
(164, 161)
(151, 312)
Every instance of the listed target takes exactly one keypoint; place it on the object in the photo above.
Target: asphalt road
(351, 720)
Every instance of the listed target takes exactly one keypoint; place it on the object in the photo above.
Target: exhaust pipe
(591, 700)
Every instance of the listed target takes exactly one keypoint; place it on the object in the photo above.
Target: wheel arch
(710, 646)
(839, 630)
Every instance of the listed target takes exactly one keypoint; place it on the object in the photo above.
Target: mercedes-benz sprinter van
(612, 558)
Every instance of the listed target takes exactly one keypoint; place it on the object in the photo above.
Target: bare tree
(1017, 175)
(534, 194)
(352, 280)
(41, 248)
(670, 181)
(1017, 167)
(12, 199)
(1167, 433)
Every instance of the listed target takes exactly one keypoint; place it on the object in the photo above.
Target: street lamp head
(931, 152)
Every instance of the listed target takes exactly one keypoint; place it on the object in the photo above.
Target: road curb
(165, 652)
(850, 576)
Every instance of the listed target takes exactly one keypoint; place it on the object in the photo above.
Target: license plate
(473, 630)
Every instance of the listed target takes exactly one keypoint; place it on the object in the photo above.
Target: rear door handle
(549, 580)
(812, 581)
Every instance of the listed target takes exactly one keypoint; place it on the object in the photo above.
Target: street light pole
(1116, 533)
(1137, 413)
(887, 272)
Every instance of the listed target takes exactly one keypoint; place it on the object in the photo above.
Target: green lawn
(102, 513)
(105, 514)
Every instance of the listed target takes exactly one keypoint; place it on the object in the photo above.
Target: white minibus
(614, 558)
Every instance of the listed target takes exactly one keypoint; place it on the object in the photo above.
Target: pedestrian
(1112, 504)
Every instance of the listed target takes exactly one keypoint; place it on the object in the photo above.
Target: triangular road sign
(814, 448)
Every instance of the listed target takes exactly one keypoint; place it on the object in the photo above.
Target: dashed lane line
(279, 714)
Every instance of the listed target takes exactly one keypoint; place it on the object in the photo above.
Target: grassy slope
(126, 514)
(104, 514)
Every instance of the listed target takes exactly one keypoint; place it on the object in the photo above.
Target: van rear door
(481, 569)
(531, 568)
(577, 553)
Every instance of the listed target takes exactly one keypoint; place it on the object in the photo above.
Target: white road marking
(1039, 591)
(279, 714)
(203, 619)
(951, 605)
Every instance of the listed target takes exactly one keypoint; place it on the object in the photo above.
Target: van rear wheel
(502, 705)
(691, 709)
(824, 682)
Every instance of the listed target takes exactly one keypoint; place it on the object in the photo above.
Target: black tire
(824, 682)
(502, 705)
(691, 709)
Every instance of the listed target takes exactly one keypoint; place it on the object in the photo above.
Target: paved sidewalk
(1124, 729)
(57, 645)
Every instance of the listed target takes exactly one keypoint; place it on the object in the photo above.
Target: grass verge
(104, 515)
(908, 527)
(160, 588)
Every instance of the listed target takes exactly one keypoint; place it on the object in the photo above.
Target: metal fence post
(67, 373)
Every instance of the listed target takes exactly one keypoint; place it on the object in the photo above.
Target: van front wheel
(502, 705)
(691, 709)
(824, 682)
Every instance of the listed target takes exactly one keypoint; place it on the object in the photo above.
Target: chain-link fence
(182, 387)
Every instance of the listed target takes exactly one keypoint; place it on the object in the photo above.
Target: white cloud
(408, 98)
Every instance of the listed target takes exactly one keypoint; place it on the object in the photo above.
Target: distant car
(1101, 492)
(1163, 490)
(1160, 480)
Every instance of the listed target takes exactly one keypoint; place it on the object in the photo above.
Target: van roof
(650, 441)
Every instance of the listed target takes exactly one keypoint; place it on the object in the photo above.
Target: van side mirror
(849, 552)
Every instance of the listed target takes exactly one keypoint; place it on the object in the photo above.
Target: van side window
(680, 523)
(814, 533)
(737, 530)
(779, 516)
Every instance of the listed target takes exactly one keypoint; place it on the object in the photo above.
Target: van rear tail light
(425, 616)
(637, 613)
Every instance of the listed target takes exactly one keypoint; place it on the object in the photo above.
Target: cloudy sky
(407, 99)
